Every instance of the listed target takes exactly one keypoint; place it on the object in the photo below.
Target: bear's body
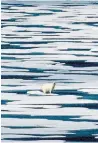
(48, 87)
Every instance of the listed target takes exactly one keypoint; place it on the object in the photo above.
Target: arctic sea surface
(46, 42)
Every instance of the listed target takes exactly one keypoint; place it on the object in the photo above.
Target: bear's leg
(44, 91)
(50, 91)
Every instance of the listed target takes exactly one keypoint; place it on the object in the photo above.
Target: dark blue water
(45, 42)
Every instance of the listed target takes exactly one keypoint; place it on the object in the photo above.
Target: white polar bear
(48, 87)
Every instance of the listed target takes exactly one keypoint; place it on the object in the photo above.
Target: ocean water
(45, 42)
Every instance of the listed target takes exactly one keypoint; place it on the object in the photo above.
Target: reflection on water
(49, 42)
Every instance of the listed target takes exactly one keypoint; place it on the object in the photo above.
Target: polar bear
(48, 87)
